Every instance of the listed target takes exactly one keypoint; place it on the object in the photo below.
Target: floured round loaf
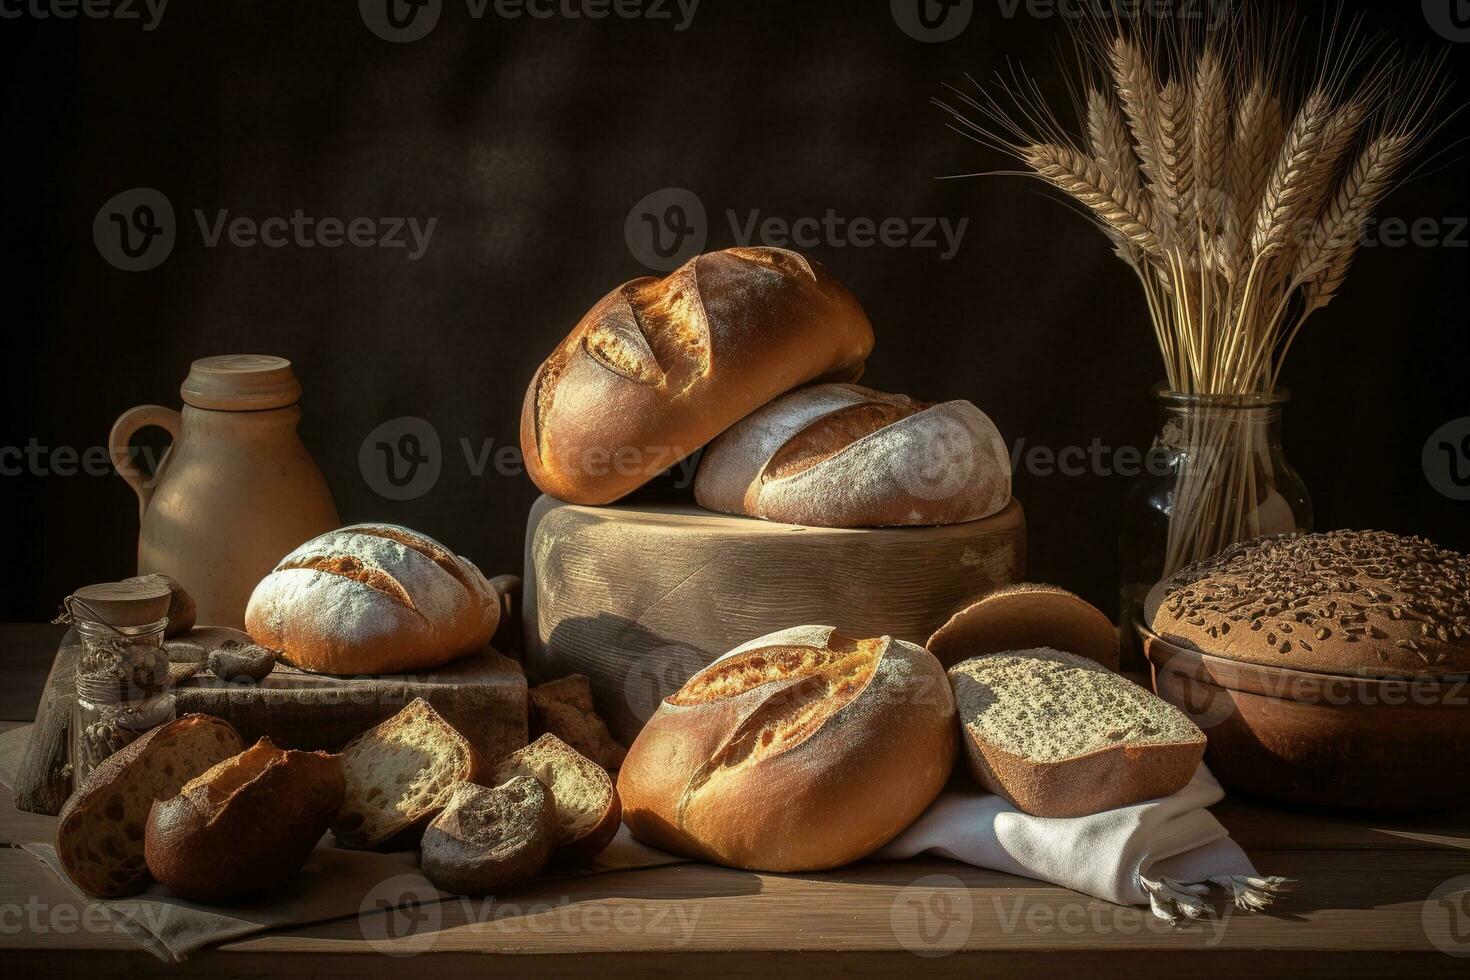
(373, 599)
(802, 750)
(841, 455)
(659, 367)
(1362, 603)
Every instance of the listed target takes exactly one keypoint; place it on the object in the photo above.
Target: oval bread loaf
(488, 840)
(372, 599)
(659, 367)
(841, 455)
(802, 750)
(245, 826)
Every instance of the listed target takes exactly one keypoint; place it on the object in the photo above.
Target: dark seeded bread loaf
(1362, 603)
(399, 775)
(490, 840)
(1062, 736)
(101, 831)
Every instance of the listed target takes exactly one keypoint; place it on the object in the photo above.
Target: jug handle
(507, 633)
(127, 424)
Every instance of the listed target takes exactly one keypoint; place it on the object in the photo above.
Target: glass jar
(122, 689)
(1216, 475)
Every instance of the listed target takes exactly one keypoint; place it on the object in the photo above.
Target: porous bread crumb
(580, 788)
(1045, 705)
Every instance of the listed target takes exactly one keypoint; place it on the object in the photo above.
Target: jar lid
(131, 603)
(241, 383)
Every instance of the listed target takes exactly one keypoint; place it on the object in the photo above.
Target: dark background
(530, 140)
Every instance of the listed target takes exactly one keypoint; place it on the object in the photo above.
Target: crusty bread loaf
(100, 833)
(659, 367)
(1024, 617)
(588, 810)
(802, 750)
(373, 599)
(1361, 603)
(490, 840)
(399, 775)
(1062, 736)
(564, 708)
(840, 455)
(246, 826)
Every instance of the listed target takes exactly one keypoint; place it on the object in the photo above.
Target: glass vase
(1216, 475)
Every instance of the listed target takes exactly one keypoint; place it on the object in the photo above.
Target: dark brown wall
(530, 141)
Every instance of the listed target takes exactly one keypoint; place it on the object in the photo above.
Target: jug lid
(241, 383)
(134, 602)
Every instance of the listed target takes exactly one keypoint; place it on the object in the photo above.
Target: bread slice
(1062, 736)
(489, 840)
(99, 837)
(564, 708)
(587, 807)
(399, 775)
(246, 826)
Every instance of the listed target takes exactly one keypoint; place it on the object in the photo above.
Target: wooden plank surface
(1365, 884)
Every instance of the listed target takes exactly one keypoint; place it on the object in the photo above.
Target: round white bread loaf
(802, 750)
(372, 599)
(659, 367)
(840, 455)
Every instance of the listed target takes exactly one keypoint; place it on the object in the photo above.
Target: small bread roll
(802, 750)
(840, 455)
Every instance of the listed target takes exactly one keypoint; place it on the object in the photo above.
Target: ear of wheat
(1235, 189)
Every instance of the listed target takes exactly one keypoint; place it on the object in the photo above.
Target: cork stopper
(132, 603)
(241, 383)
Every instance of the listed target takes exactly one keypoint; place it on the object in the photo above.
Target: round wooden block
(640, 597)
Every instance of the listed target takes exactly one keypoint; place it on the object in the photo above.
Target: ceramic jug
(235, 492)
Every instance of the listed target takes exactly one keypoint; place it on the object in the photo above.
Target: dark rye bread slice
(100, 834)
(1062, 736)
(587, 806)
(399, 775)
(490, 840)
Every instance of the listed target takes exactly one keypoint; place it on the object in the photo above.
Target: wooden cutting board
(639, 597)
(483, 696)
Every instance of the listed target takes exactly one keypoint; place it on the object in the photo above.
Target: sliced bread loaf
(100, 834)
(587, 807)
(399, 775)
(489, 840)
(1062, 736)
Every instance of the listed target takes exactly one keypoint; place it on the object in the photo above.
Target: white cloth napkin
(1164, 853)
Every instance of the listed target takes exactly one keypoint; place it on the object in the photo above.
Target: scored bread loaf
(802, 750)
(488, 840)
(841, 455)
(588, 809)
(246, 826)
(1363, 603)
(659, 367)
(101, 830)
(564, 708)
(399, 775)
(1060, 735)
(372, 599)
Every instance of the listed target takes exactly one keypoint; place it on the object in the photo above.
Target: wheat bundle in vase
(1238, 192)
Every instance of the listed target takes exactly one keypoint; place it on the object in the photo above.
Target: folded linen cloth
(1164, 853)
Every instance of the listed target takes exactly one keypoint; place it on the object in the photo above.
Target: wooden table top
(1365, 905)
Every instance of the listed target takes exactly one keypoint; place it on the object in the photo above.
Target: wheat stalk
(1293, 179)
(1082, 178)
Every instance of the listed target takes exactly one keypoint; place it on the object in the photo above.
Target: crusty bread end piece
(587, 805)
(564, 708)
(1061, 736)
(490, 840)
